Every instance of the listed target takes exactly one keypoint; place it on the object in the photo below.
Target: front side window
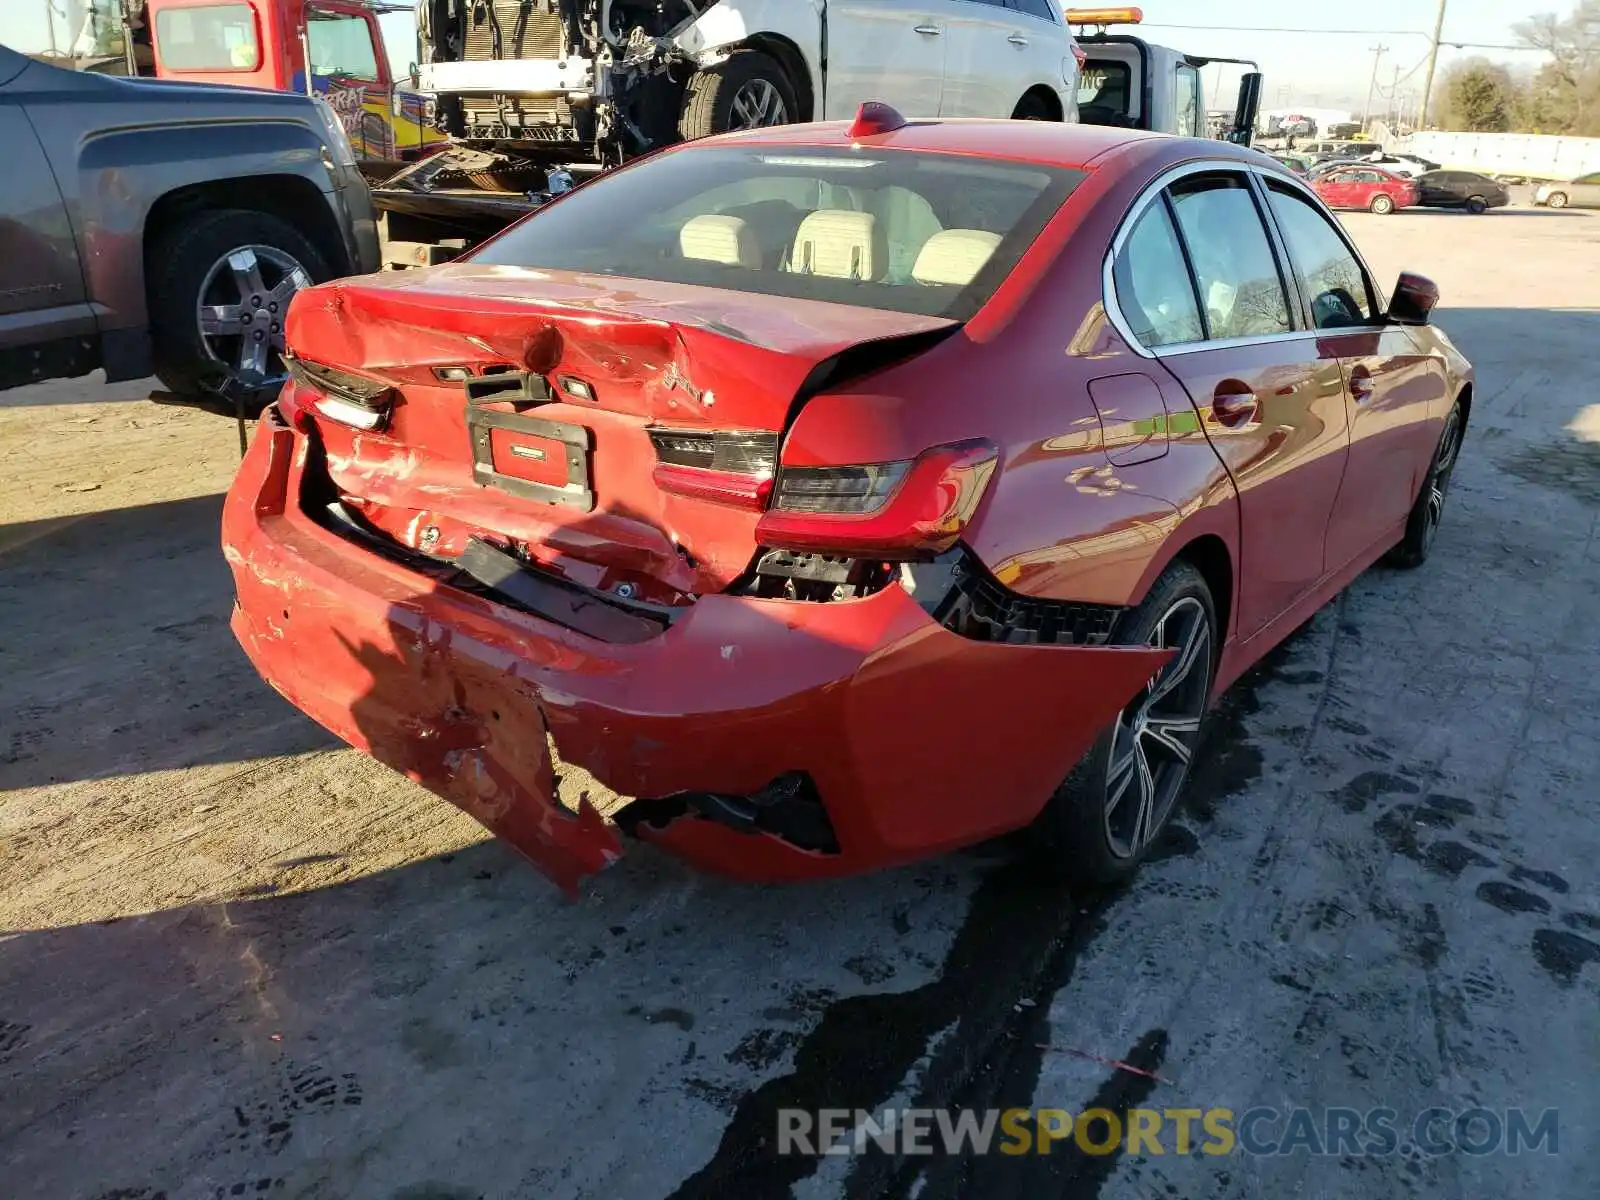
(1329, 273)
(341, 46)
(212, 37)
(932, 234)
(1154, 292)
(1188, 96)
(1241, 292)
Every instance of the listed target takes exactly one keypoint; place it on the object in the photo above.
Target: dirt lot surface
(237, 959)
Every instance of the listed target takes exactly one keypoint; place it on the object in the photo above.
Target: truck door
(231, 41)
(349, 69)
(890, 50)
(45, 324)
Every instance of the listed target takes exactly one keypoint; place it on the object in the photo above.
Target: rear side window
(931, 234)
(1154, 292)
(1329, 274)
(1241, 292)
(212, 37)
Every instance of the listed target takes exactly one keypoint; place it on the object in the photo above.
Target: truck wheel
(748, 91)
(220, 286)
(1382, 205)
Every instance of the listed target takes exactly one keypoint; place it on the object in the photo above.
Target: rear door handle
(927, 30)
(1016, 39)
(1234, 405)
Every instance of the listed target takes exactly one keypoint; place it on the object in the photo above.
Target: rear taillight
(895, 510)
(340, 395)
(729, 466)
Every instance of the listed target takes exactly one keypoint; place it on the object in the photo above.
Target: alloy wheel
(756, 105)
(241, 308)
(1154, 739)
(1444, 462)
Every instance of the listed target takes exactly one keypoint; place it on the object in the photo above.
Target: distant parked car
(1582, 192)
(1409, 165)
(1366, 187)
(1462, 189)
(1293, 162)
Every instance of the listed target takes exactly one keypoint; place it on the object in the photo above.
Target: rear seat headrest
(837, 243)
(720, 239)
(954, 256)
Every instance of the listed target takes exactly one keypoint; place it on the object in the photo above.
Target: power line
(1341, 32)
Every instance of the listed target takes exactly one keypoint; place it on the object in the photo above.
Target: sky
(1330, 70)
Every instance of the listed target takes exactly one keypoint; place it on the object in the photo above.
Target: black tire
(1034, 107)
(1428, 509)
(1477, 205)
(716, 99)
(180, 263)
(1556, 200)
(1077, 832)
(1381, 205)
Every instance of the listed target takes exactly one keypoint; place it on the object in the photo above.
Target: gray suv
(148, 226)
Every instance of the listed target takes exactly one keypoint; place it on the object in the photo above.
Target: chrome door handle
(927, 30)
(1016, 39)
(1234, 404)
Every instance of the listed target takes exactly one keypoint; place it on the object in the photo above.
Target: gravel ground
(237, 959)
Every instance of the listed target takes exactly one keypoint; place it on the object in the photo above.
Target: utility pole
(1433, 62)
(1394, 101)
(50, 24)
(1377, 57)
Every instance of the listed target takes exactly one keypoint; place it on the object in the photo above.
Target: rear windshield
(930, 234)
(212, 37)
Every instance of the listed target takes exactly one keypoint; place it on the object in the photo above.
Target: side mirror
(1413, 299)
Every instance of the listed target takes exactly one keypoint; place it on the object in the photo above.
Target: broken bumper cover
(916, 740)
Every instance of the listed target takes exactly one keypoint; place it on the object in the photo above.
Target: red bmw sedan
(842, 494)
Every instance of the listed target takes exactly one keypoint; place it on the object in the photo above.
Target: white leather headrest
(954, 256)
(718, 239)
(837, 243)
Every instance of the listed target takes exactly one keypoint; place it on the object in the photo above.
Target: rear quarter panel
(1061, 520)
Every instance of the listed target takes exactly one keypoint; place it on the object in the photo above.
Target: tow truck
(1129, 82)
(334, 49)
(538, 95)
(512, 102)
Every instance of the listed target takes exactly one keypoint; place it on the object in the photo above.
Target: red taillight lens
(890, 510)
(729, 466)
(340, 395)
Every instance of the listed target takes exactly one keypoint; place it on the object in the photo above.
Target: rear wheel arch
(1041, 100)
(1208, 553)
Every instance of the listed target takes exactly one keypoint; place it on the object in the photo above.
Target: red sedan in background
(844, 494)
(1370, 188)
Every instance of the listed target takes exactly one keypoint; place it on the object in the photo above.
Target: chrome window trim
(1258, 177)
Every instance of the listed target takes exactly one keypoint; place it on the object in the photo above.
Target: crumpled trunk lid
(559, 467)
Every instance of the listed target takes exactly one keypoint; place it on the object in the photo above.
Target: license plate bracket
(574, 441)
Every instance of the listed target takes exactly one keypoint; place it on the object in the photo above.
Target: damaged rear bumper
(915, 739)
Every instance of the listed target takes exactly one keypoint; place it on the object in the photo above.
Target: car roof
(1045, 142)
